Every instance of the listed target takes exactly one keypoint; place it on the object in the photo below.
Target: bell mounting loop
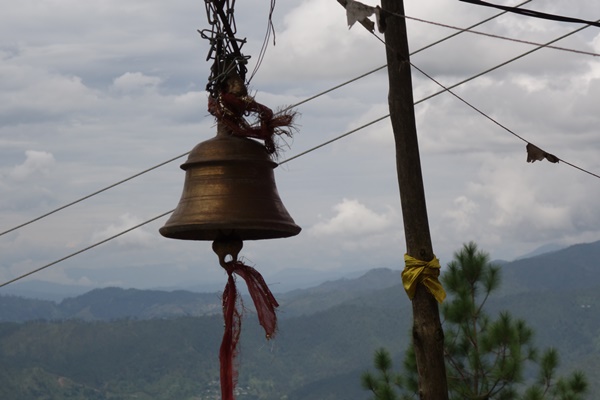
(227, 246)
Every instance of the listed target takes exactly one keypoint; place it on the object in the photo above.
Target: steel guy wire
(535, 14)
(588, 53)
(499, 65)
(85, 249)
(92, 194)
(492, 119)
(446, 89)
(468, 28)
(334, 139)
(287, 108)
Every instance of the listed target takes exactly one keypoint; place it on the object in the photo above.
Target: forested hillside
(108, 345)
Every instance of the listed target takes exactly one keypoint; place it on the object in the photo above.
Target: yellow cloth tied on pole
(417, 271)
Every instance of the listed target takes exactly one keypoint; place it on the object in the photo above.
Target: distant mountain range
(147, 344)
(574, 267)
(116, 303)
(280, 282)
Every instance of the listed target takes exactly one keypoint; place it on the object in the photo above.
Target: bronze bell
(229, 192)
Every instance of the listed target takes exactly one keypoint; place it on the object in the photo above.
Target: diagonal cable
(535, 14)
(287, 108)
(492, 119)
(445, 89)
(85, 249)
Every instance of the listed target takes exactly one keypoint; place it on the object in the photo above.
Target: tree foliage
(486, 358)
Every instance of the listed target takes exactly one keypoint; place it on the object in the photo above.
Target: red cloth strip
(231, 110)
(265, 305)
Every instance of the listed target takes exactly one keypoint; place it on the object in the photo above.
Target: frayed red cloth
(265, 305)
(231, 110)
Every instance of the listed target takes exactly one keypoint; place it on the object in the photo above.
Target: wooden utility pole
(428, 336)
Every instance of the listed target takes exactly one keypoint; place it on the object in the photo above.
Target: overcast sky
(93, 92)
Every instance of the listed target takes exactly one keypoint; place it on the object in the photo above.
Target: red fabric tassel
(230, 340)
(265, 304)
(231, 109)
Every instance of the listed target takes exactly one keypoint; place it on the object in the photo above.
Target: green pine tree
(485, 357)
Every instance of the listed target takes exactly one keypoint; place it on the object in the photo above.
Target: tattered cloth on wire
(359, 12)
(534, 154)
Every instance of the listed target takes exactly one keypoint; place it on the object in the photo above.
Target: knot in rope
(424, 272)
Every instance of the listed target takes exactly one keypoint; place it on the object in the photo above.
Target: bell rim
(215, 231)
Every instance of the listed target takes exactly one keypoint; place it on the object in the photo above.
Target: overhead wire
(445, 89)
(79, 200)
(467, 28)
(285, 109)
(445, 38)
(494, 120)
(460, 30)
(92, 194)
(334, 139)
(85, 249)
(546, 45)
(588, 53)
(535, 14)
(263, 49)
(448, 89)
(538, 47)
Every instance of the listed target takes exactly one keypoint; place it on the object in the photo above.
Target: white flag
(356, 11)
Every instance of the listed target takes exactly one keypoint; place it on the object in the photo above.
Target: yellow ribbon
(417, 271)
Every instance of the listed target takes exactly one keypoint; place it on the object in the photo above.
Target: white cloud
(314, 39)
(463, 215)
(137, 238)
(135, 82)
(353, 218)
(519, 200)
(33, 94)
(526, 204)
(36, 162)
